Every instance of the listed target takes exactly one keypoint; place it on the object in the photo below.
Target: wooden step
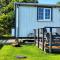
(52, 44)
(53, 47)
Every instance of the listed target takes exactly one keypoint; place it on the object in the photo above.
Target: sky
(48, 1)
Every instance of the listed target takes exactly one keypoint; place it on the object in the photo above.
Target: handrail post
(43, 40)
(34, 36)
(38, 38)
(50, 41)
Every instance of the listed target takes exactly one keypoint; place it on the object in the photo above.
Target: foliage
(4, 2)
(58, 2)
(31, 1)
(6, 17)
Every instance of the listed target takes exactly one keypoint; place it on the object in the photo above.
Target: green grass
(30, 51)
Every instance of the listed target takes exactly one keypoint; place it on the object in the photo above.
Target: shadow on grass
(27, 44)
(18, 45)
(55, 51)
(1, 45)
(21, 45)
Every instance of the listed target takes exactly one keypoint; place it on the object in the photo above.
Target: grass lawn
(30, 51)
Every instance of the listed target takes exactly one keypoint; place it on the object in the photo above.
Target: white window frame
(44, 15)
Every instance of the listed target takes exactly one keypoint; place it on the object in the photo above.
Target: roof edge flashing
(37, 4)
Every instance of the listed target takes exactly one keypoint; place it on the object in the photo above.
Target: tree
(30, 1)
(7, 1)
(58, 2)
(6, 16)
(35, 1)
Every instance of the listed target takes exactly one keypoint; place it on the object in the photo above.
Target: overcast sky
(48, 1)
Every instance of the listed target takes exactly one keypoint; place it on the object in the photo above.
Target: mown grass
(30, 51)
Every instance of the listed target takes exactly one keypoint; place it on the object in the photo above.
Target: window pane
(47, 13)
(47, 10)
(40, 13)
(47, 17)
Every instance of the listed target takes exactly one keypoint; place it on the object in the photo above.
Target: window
(47, 13)
(40, 13)
(44, 14)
